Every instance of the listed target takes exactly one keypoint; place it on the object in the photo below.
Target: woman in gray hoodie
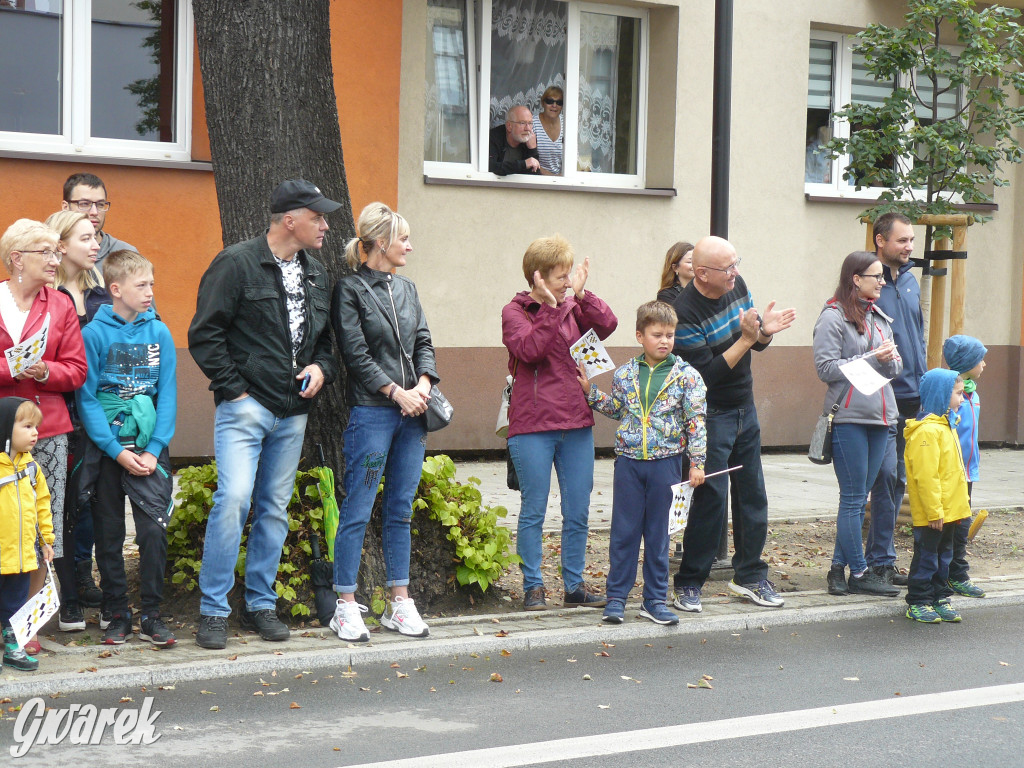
(851, 327)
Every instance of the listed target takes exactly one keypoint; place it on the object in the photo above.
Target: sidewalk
(796, 489)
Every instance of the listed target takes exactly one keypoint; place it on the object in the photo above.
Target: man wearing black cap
(260, 334)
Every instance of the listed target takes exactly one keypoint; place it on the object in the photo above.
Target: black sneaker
(89, 594)
(119, 629)
(154, 630)
(266, 623)
(15, 656)
(534, 600)
(584, 598)
(213, 632)
(870, 583)
(71, 618)
(890, 574)
(836, 580)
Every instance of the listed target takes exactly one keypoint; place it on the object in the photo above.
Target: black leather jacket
(240, 337)
(367, 341)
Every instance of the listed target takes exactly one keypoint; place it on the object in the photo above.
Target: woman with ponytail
(385, 344)
(852, 327)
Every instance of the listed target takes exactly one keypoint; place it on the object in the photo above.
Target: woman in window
(547, 127)
(677, 272)
(29, 250)
(385, 343)
(850, 327)
(549, 419)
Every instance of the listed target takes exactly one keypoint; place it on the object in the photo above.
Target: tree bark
(272, 115)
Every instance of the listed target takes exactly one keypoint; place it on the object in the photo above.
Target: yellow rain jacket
(24, 509)
(936, 480)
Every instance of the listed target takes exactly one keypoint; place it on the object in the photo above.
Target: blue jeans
(888, 489)
(572, 452)
(857, 453)
(379, 443)
(640, 505)
(734, 438)
(257, 455)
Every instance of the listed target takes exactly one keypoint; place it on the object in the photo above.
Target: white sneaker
(404, 618)
(348, 623)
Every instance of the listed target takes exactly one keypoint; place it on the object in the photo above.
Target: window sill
(181, 165)
(868, 201)
(505, 183)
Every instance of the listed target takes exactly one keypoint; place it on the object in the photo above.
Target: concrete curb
(521, 637)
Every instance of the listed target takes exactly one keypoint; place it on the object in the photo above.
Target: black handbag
(820, 449)
(439, 411)
(511, 478)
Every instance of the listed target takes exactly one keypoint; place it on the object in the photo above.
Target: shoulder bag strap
(384, 313)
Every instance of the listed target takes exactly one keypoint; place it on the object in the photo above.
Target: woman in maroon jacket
(549, 419)
(30, 254)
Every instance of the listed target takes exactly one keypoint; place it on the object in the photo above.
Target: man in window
(717, 329)
(513, 147)
(86, 193)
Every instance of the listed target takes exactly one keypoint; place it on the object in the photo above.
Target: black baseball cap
(299, 193)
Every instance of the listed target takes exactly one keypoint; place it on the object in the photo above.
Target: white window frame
(76, 97)
(479, 37)
(841, 96)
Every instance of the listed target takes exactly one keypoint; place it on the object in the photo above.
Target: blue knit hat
(962, 353)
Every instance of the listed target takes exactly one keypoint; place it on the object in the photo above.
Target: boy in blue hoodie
(937, 485)
(128, 406)
(966, 356)
(659, 401)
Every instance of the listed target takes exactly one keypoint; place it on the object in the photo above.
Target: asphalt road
(876, 692)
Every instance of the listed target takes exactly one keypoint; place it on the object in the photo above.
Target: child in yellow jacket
(24, 516)
(937, 484)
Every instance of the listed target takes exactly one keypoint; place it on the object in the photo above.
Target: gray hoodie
(108, 245)
(836, 341)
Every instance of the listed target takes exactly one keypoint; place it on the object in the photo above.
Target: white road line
(536, 753)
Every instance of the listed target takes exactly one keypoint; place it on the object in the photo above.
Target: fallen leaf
(707, 677)
(702, 683)
(476, 631)
(1003, 664)
(586, 677)
(105, 654)
(401, 675)
(294, 705)
(506, 652)
(852, 679)
(571, 661)
(298, 676)
(691, 685)
(215, 708)
(208, 693)
(604, 706)
(177, 728)
(607, 645)
(166, 688)
(127, 700)
(496, 678)
(349, 673)
(501, 633)
(233, 657)
(396, 665)
(602, 653)
(258, 693)
(433, 690)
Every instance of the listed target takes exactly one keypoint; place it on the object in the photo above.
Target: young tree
(948, 127)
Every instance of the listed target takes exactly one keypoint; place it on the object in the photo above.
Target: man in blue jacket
(900, 300)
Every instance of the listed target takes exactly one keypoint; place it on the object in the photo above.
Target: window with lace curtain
(105, 79)
(595, 54)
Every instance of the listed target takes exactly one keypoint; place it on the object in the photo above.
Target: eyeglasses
(732, 269)
(559, 102)
(54, 256)
(520, 122)
(84, 205)
(880, 276)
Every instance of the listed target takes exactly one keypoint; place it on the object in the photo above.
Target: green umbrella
(325, 484)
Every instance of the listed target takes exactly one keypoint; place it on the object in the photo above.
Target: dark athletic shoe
(266, 623)
(583, 598)
(213, 632)
(534, 599)
(836, 580)
(870, 583)
(118, 630)
(154, 630)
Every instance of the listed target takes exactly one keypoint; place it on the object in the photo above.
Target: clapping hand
(579, 277)
(542, 291)
(775, 320)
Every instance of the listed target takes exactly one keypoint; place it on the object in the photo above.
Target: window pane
(133, 62)
(865, 89)
(820, 90)
(446, 132)
(948, 100)
(30, 48)
(527, 53)
(609, 93)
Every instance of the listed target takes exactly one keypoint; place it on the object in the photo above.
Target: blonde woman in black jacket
(389, 380)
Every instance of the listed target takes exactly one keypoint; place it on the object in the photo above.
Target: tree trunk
(272, 114)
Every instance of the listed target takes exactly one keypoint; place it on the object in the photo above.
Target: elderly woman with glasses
(851, 328)
(28, 305)
(548, 127)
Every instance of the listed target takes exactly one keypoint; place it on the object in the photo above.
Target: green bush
(479, 546)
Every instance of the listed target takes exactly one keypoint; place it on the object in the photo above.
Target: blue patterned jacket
(674, 423)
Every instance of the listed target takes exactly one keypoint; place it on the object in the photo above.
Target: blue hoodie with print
(128, 360)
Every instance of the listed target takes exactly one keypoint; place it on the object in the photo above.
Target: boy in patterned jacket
(658, 400)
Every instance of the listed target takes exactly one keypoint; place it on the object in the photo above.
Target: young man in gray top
(86, 193)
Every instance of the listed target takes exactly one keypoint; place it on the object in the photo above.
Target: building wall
(791, 247)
